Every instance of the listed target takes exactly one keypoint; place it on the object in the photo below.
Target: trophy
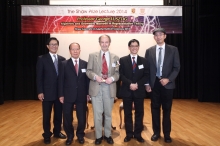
(104, 77)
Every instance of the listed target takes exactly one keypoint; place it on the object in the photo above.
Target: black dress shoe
(47, 140)
(69, 141)
(60, 135)
(127, 139)
(140, 139)
(167, 139)
(155, 137)
(98, 141)
(109, 139)
(81, 140)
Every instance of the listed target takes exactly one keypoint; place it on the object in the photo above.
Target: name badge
(83, 70)
(113, 65)
(140, 66)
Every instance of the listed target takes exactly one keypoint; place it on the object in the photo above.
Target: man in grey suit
(103, 72)
(163, 64)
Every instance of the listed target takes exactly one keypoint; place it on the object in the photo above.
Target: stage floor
(193, 124)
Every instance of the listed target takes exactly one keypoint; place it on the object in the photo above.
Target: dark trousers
(81, 108)
(57, 117)
(160, 96)
(139, 113)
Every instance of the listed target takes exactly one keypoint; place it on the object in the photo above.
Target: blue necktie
(159, 64)
(56, 63)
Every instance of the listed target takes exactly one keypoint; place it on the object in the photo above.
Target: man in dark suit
(73, 90)
(163, 65)
(133, 74)
(47, 71)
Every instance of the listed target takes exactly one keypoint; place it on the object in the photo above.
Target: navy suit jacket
(47, 79)
(74, 88)
(171, 65)
(127, 76)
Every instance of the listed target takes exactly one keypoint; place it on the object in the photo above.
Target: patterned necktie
(134, 64)
(104, 65)
(55, 63)
(159, 63)
(76, 67)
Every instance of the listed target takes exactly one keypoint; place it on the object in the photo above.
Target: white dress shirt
(53, 56)
(73, 59)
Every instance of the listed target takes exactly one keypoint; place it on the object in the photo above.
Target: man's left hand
(164, 81)
(108, 80)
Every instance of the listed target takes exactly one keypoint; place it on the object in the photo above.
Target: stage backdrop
(84, 24)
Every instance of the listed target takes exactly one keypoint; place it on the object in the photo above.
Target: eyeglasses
(159, 34)
(134, 46)
(53, 45)
(74, 49)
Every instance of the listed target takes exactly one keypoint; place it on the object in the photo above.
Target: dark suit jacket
(74, 88)
(171, 65)
(127, 76)
(47, 79)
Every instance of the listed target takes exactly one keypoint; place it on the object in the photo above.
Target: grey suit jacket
(171, 65)
(94, 67)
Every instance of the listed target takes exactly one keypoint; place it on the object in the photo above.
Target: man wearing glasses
(47, 71)
(163, 65)
(133, 74)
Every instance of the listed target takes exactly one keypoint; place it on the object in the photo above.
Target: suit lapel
(50, 61)
(154, 56)
(139, 62)
(166, 54)
(71, 65)
(111, 57)
(81, 66)
(130, 64)
(98, 60)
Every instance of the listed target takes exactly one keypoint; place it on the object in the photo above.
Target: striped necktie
(134, 64)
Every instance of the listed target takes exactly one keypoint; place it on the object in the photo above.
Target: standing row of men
(72, 82)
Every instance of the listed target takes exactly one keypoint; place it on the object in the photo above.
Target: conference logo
(142, 11)
(133, 10)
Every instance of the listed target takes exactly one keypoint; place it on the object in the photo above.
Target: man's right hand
(148, 88)
(41, 96)
(134, 86)
(98, 79)
(61, 99)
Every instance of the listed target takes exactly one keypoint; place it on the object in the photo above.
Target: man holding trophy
(103, 72)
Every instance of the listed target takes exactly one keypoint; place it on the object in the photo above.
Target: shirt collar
(107, 52)
(52, 54)
(73, 59)
(133, 56)
(163, 46)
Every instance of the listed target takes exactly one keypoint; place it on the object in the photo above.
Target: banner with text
(100, 19)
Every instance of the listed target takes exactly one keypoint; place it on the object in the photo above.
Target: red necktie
(76, 67)
(134, 64)
(104, 65)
